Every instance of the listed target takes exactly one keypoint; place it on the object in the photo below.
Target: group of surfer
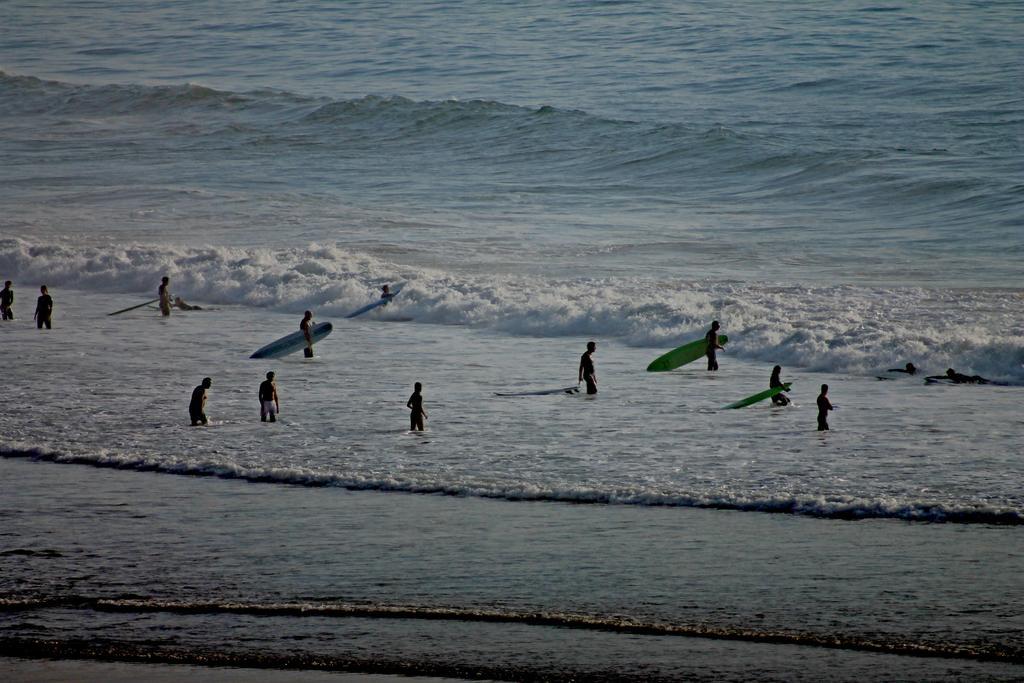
(269, 404)
(44, 306)
(588, 374)
(951, 375)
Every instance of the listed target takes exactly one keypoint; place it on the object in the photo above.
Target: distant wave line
(588, 622)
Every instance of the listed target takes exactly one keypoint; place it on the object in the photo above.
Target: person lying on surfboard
(180, 304)
(960, 378)
(910, 369)
(779, 399)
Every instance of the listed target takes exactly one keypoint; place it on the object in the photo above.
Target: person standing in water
(712, 339)
(415, 404)
(779, 399)
(269, 405)
(197, 406)
(587, 373)
(7, 301)
(307, 330)
(44, 309)
(824, 405)
(165, 296)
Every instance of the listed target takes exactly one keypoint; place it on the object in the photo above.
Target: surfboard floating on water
(383, 301)
(293, 342)
(132, 308)
(760, 396)
(574, 389)
(687, 353)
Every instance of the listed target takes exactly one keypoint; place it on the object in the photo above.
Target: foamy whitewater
(842, 187)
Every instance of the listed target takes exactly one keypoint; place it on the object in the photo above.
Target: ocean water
(842, 187)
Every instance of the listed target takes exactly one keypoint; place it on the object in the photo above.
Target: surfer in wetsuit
(197, 406)
(269, 405)
(7, 301)
(712, 339)
(307, 330)
(44, 309)
(587, 373)
(165, 296)
(824, 405)
(385, 293)
(960, 378)
(779, 399)
(909, 369)
(415, 404)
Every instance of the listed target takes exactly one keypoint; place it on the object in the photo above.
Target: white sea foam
(851, 329)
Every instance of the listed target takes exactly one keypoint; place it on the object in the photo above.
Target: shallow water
(841, 188)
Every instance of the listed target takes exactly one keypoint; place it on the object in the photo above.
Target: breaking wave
(847, 328)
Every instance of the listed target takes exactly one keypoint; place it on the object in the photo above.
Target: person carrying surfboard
(307, 329)
(712, 340)
(165, 296)
(779, 399)
(7, 301)
(269, 405)
(415, 404)
(587, 372)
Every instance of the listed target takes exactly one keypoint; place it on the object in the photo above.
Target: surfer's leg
(591, 385)
(822, 424)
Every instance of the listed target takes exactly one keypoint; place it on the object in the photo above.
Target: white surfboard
(574, 389)
(383, 301)
(293, 342)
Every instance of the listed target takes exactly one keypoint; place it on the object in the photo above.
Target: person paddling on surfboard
(712, 339)
(197, 406)
(824, 405)
(165, 296)
(779, 399)
(307, 329)
(587, 373)
(415, 404)
(960, 378)
(180, 304)
(909, 369)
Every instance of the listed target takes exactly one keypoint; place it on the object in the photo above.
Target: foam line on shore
(616, 624)
(839, 507)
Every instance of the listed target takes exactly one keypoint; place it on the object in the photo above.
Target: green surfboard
(687, 353)
(751, 400)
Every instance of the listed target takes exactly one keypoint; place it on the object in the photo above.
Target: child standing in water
(415, 404)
